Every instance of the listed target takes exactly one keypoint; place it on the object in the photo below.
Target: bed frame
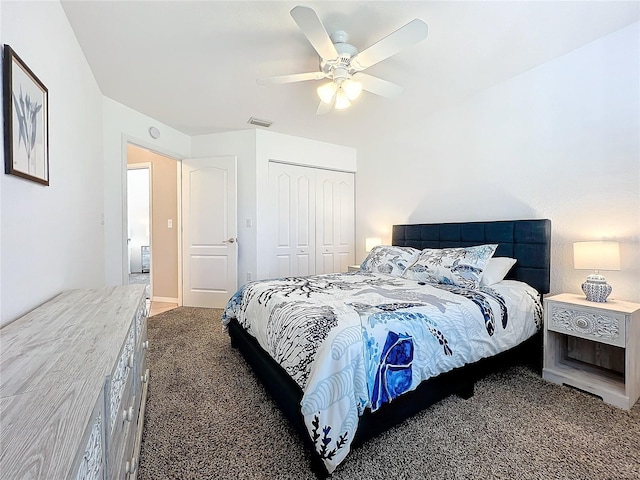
(528, 241)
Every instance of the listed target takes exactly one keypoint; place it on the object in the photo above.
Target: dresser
(73, 386)
(594, 347)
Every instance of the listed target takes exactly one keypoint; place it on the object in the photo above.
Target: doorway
(158, 258)
(139, 202)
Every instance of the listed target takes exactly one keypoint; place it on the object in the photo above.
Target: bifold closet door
(293, 203)
(314, 220)
(334, 221)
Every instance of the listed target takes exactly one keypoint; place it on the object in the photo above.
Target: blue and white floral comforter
(358, 340)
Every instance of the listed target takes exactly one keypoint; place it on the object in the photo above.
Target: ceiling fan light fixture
(352, 89)
(342, 101)
(327, 91)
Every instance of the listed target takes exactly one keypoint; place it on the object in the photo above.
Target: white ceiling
(194, 65)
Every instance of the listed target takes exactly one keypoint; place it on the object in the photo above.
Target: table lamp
(596, 256)
(371, 242)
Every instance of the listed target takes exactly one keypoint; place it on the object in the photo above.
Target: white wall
(124, 125)
(560, 141)
(52, 237)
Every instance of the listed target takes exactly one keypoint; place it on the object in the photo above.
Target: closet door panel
(304, 214)
(326, 213)
(283, 213)
(345, 214)
(335, 222)
(292, 191)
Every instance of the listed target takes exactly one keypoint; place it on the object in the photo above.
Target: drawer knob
(145, 378)
(127, 414)
(582, 323)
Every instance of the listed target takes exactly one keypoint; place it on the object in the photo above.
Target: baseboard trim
(164, 299)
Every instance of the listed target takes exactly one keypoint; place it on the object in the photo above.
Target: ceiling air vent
(259, 122)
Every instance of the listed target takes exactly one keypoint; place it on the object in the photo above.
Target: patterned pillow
(454, 266)
(390, 260)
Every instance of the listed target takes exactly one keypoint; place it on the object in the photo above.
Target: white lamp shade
(352, 88)
(596, 255)
(342, 101)
(327, 91)
(371, 242)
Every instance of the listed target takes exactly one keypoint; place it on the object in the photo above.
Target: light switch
(169, 223)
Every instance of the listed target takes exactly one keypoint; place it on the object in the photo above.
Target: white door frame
(126, 141)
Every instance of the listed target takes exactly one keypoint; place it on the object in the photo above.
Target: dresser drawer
(120, 401)
(91, 457)
(124, 424)
(120, 465)
(142, 377)
(141, 321)
(591, 324)
(121, 375)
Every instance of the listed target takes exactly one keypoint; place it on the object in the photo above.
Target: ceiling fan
(342, 64)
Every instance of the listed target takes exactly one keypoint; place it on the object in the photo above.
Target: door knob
(231, 240)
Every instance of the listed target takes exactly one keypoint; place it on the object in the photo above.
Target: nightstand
(353, 268)
(594, 347)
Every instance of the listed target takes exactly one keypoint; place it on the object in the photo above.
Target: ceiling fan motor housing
(339, 68)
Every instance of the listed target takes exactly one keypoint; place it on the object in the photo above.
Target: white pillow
(462, 266)
(496, 269)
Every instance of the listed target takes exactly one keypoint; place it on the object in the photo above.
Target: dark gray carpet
(208, 417)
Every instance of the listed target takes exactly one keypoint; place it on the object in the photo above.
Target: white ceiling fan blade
(412, 33)
(308, 21)
(296, 77)
(377, 85)
(324, 108)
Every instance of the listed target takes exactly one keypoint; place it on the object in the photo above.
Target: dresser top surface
(75, 334)
(53, 365)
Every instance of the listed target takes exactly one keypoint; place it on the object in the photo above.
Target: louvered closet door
(293, 203)
(334, 221)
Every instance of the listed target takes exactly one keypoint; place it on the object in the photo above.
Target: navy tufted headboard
(528, 241)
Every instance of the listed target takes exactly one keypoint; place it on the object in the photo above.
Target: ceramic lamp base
(596, 288)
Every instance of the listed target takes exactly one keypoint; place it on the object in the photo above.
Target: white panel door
(292, 201)
(209, 230)
(335, 221)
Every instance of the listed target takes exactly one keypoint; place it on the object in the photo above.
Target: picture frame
(26, 120)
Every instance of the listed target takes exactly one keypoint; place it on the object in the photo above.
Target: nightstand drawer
(591, 324)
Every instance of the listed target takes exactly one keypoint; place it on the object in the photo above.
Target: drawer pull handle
(582, 323)
(131, 466)
(130, 361)
(145, 345)
(127, 414)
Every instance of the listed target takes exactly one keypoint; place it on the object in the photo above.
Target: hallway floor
(155, 308)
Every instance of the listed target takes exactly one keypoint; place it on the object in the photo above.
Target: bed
(347, 356)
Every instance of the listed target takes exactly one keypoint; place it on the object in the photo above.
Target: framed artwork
(26, 121)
